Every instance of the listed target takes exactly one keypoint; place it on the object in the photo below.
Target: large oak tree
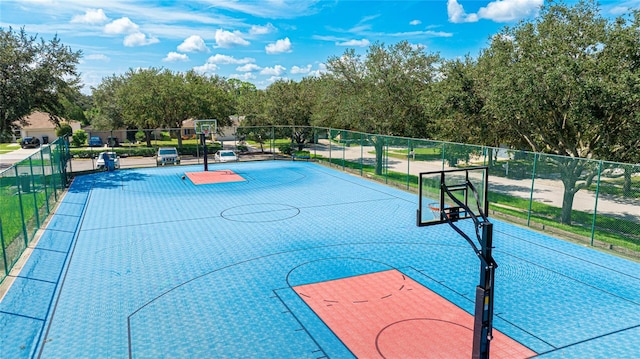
(380, 93)
(34, 76)
(547, 83)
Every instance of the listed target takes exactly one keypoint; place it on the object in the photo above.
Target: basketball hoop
(206, 133)
(435, 208)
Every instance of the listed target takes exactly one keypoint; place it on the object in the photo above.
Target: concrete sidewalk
(544, 190)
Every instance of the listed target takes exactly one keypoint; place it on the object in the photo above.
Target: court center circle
(260, 212)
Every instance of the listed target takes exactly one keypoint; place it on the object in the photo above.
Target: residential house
(224, 133)
(39, 125)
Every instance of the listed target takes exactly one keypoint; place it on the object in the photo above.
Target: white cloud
(300, 70)
(193, 43)
(207, 68)
(619, 10)
(262, 30)
(139, 39)
(357, 43)
(97, 57)
(456, 13)
(498, 11)
(245, 77)
(415, 22)
(91, 16)
(274, 71)
(226, 59)
(175, 57)
(121, 26)
(322, 68)
(229, 39)
(248, 68)
(510, 10)
(273, 79)
(429, 33)
(280, 46)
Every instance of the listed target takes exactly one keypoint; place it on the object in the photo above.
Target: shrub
(302, 154)
(64, 130)
(285, 148)
(79, 138)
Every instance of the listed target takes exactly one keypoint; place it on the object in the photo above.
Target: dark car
(95, 141)
(30, 142)
(113, 142)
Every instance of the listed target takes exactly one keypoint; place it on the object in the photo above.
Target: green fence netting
(29, 190)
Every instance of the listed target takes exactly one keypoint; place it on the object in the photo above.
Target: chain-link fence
(29, 190)
(595, 202)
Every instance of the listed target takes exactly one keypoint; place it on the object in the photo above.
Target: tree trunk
(571, 170)
(626, 187)
(490, 161)
(378, 144)
(567, 205)
(179, 137)
(147, 136)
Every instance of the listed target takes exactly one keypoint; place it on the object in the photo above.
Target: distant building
(225, 133)
(110, 137)
(38, 125)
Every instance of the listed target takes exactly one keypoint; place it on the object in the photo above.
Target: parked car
(167, 155)
(225, 156)
(95, 141)
(112, 157)
(30, 142)
(113, 142)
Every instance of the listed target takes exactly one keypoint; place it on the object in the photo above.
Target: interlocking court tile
(389, 315)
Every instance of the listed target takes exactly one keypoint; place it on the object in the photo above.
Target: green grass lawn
(11, 213)
(419, 153)
(8, 147)
(611, 230)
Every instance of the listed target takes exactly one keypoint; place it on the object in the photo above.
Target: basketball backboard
(206, 127)
(436, 205)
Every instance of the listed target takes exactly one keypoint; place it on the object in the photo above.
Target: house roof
(190, 123)
(40, 120)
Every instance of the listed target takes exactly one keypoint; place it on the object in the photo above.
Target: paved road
(7, 159)
(545, 190)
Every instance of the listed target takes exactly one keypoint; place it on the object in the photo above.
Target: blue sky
(260, 41)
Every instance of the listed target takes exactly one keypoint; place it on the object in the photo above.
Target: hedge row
(189, 150)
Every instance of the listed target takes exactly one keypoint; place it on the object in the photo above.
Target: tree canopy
(34, 76)
(159, 98)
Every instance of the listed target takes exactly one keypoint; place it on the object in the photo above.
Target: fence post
(35, 198)
(24, 225)
(344, 149)
(4, 252)
(273, 142)
(533, 179)
(595, 206)
(408, 161)
(361, 154)
(53, 177)
(44, 181)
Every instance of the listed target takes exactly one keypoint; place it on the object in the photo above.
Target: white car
(167, 155)
(225, 156)
(112, 157)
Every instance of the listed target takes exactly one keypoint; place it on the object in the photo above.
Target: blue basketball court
(144, 263)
